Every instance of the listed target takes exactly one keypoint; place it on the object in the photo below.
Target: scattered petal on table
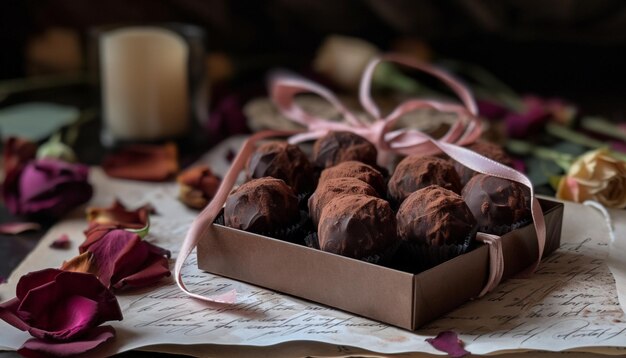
(143, 162)
(63, 242)
(81, 263)
(197, 186)
(14, 228)
(117, 214)
(448, 342)
(42, 348)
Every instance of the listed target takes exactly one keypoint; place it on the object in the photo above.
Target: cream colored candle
(144, 83)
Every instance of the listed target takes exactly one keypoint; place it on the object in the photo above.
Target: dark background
(558, 47)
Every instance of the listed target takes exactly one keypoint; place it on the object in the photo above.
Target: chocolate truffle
(357, 226)
(416, 172)
(435, 216)
(284, 161)
(337, 147)
(358, 170)
(486, 149)
(331, 188)
(496, 203)
(262, 205)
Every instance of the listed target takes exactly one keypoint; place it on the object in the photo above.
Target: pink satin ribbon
(465, 130)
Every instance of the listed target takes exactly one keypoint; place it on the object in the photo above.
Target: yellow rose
(598, 176)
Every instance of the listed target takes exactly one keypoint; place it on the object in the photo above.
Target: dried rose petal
(15, 228)
(3, 280)
(58, 305)
(449, 342)
(118, 215)
(198, 185)
(41, 348)
(81, 263)
(491, 109)
(143, 162)
(63, 242)
(123, 259)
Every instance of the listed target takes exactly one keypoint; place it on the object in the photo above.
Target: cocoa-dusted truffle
(358, 170)
(415, 172)
(357, 226)
(337, 147)
(486, 149)
(262, 205)
(496, 203)
(435, 216)
(332, 188)
(284, 161)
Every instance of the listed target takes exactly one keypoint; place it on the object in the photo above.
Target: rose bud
(49, 188)
(17, 153)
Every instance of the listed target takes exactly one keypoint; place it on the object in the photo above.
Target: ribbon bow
(378, 130)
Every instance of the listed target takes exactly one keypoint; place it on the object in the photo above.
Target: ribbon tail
(496, 261)
(200, 226)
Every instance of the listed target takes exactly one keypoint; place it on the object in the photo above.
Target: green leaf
(35, 121)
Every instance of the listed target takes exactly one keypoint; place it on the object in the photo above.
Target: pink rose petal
(123, 259)
(63, 242)
(15, 228)
(40, 348)
(58, 305)
(449, 342)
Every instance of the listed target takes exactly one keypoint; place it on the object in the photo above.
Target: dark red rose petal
(156, 268)
(448, 342)
(40, 348)
(63, 242)
(143, 162)
(68, 306)
(8, 314)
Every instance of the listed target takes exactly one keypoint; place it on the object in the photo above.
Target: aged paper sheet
(570, 304)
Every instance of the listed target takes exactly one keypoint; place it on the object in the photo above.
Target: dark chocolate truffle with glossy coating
(332, 188)
(284, 161)
(435, 216)
(496, 203)
(486, 149)
(357, 226)
(416, 172)
(337, 147)
(358, 170)
(262, 205)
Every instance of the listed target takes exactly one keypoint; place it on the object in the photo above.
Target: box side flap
(369, 290)
(445, 287)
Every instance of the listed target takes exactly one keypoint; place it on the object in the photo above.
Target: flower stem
(519, 147)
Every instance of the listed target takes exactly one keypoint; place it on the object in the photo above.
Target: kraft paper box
(398, 298)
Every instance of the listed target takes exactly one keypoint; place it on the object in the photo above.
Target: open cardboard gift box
(398, 298)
